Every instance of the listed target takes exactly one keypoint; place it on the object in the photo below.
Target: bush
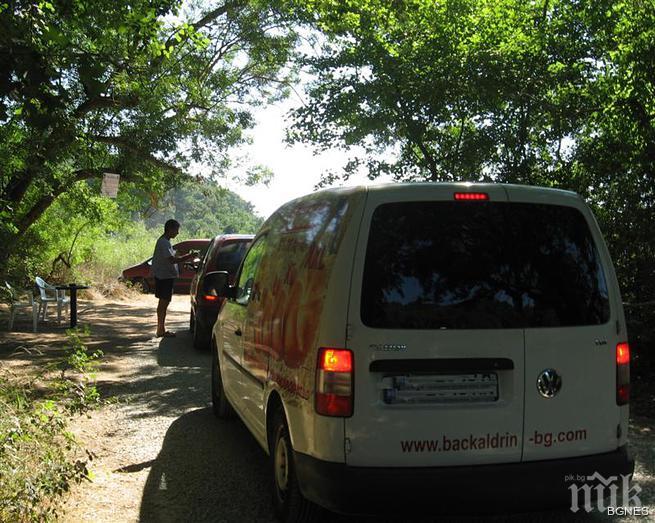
(36, 449)
(642, 340)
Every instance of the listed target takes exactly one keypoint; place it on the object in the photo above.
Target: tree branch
(415, 136)
(105, 102)
(28, 219)
(128, 145)
(216, 13)
(199, 24)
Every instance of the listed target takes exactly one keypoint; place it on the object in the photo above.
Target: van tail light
(622, 373)
(471, 196)
(210, 298)
(334, 382)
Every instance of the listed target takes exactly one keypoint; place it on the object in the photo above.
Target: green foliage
(553, 93)
(455, 90)
(102, 258)
(141, 89)
(77, 393)
(87, 238)
(204, 210)
(615, 158)
(36, 449)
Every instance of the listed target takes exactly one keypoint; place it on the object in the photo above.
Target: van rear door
(570, 331)
(438, 359)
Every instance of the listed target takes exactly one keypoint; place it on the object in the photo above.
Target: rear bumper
(479, 489)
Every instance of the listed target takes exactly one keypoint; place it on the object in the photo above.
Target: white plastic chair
(50, 294)
(19, 302)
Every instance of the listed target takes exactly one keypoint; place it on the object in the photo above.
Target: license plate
(440, 388)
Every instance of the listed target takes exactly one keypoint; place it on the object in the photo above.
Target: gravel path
(161, 456)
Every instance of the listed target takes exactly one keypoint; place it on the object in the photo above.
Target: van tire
(289, 504)
(220, 404)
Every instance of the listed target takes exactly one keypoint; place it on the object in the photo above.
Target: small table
(72, 288)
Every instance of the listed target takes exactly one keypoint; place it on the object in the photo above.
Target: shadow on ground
(169, 378)
(207, 470)
(114, 328)
(213, 470)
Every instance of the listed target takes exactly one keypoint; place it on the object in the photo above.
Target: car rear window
(229, 256)
(481, 265)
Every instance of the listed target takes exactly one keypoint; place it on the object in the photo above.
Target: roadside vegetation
(39, 457)
(90, 239)
(87, 239)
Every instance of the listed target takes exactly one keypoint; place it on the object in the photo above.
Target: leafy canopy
(461, 89)
(142, 89)
(550, 92)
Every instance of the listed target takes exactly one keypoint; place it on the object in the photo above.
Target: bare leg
(161, 316)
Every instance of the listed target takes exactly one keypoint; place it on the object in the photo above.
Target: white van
(407, 346)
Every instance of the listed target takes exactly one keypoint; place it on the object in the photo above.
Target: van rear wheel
(288, 502)
(220, 405)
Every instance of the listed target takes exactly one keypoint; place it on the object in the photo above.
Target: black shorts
(164, 288)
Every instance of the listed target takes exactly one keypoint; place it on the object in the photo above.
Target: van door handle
(238, 332)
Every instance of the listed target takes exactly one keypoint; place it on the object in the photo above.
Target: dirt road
(161, 456)
(160, 453)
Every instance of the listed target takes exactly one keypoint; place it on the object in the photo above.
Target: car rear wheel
(200, 335)
(220, 404)
(143, 283)
(288, 502)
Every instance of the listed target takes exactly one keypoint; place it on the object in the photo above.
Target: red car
(141, 274)
(224, 254)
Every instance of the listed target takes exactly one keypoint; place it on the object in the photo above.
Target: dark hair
(171, 225)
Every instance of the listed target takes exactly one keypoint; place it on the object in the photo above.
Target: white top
(162, 268)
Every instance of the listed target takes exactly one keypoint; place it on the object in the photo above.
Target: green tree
(205, 209)
(461, 89)
(555, 92)
(142, 89)
(614, 160)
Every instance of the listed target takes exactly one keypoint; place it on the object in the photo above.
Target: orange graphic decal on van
(293, 282)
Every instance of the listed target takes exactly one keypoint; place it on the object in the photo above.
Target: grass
(102, 260)
(99, 260)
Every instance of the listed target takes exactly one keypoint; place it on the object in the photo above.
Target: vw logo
(549, 383)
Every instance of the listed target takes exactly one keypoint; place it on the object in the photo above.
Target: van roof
(515, 192)
(511, 189)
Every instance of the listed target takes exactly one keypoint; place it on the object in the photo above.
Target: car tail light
(622, 373)
(211, 298)
(334, 382)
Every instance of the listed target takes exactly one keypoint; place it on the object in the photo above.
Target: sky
(297, 170)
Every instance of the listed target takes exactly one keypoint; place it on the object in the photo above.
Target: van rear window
(481, 265)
